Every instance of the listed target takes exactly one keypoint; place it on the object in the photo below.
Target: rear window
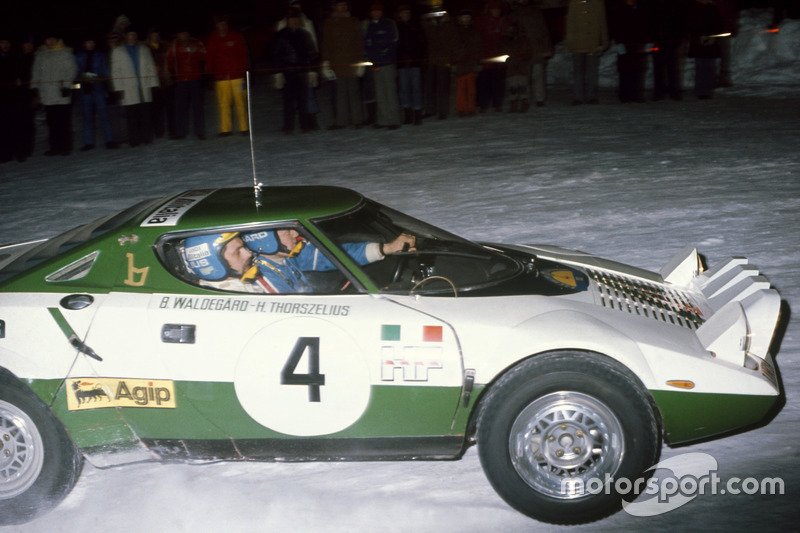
(72, 238)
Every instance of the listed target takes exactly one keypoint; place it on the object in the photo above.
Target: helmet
(262, 242)
(203, 255)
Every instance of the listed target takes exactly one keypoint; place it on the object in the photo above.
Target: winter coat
(667, 19)
(185, 60)
(226, 56)
(587, 29)
(10, 73)
(630, 27)
(519, 50)
(411, 45)
(468, 48)
(159, 50)
(293, 51)
(705, 20)
(136, 89)
(493, 31)
(531, 19)
(342, 45)
(440, 34)
(380, 41)
(93, 72)
(54, 69)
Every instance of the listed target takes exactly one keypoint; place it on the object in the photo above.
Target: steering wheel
(402, 260)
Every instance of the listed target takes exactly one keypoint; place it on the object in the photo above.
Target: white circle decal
(304, 377)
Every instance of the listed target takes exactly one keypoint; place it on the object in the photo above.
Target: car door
(210, 366)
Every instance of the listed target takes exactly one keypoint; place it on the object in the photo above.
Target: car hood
(617, 286)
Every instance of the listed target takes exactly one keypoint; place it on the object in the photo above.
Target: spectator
(411, 53)
(307, 25)
(466, 64)
(705, 23)
(668, 29)
(380, 44)
(342, 51)
(441, 38)
(10, 74)
(730, 28)
(53, 72)
(587, 39)
(630, 31)
(93, 77)
(133, 75)
(532, 21)
(294, 58)
(518, 68)
(226, 60)
(493, 29)
(119, 30)
(28, 100)
(163, 102)
(185, 59)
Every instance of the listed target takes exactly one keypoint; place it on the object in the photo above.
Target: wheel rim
(564, 439)
(21, 451)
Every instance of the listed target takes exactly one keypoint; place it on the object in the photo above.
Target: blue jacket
(97, 65)
(288, 277)
(380, 41)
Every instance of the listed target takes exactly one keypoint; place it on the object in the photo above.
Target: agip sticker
(97, 393)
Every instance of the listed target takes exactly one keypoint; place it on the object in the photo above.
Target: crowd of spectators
(383, 71)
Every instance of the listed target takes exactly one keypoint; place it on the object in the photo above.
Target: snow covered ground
(635, 183)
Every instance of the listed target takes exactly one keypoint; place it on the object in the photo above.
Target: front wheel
(557, 430)
(38, 462)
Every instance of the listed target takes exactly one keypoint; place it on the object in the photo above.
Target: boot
(418, 117)
(525, 106)
(514, 106)
(409, 116)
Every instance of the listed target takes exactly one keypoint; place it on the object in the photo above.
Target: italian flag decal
(410, 354)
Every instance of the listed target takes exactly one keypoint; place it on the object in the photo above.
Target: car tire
(39, 464)
(572, 417)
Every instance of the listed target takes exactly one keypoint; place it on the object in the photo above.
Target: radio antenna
(256, 183)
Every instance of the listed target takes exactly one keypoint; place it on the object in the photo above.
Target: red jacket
(227, 56)
(185, 60)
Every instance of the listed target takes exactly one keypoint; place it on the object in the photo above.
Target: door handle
(178, 333)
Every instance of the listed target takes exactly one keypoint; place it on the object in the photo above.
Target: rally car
(136, 337)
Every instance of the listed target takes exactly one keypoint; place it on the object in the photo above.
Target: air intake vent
(649, 300)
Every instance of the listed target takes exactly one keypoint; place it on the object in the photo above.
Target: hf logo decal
(97, 393)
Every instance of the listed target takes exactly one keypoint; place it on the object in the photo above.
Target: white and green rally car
(561, 366)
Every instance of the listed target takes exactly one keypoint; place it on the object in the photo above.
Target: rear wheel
(38, 462)
(556, 428)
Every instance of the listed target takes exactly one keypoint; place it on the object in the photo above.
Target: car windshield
(440, 263)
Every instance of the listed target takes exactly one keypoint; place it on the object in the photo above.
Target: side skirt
(317, 449)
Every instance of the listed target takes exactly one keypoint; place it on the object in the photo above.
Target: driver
(220, 261)
(271, 261)
(283, 255)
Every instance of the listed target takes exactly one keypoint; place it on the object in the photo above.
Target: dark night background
(76, 20)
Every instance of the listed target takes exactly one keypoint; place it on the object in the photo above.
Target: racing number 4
(313, 379)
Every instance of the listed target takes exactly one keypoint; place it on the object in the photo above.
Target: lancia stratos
(186, 328)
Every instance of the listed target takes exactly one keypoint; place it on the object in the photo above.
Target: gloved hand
(327, 71)
(280, 80)
(313, 79)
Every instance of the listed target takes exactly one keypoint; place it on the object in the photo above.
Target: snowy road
(635, 183)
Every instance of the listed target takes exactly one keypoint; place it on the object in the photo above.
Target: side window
(270, 260)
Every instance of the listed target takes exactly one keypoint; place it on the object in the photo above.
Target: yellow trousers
(232, 91)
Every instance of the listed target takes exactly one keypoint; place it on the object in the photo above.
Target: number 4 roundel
(303, 377)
